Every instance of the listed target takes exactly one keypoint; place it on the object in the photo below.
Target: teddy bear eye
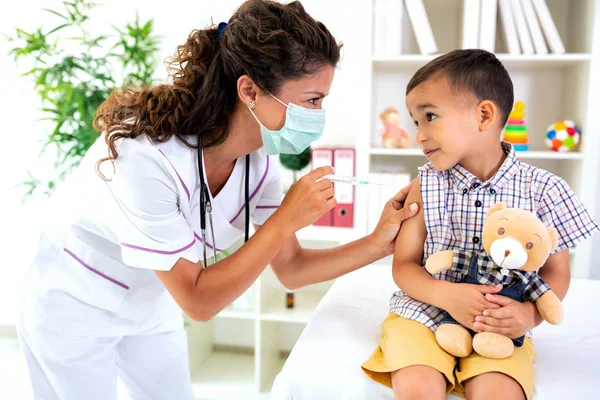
(529, 246)
(501, 231)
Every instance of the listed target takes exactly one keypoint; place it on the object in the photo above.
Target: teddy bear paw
(493, 345)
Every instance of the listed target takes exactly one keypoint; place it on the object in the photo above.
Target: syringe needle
(351, 180)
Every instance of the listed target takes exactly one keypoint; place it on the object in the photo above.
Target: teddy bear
(516, 245)
(393, 135)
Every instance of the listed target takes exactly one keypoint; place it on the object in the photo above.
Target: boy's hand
(512, 319)
(465, 301)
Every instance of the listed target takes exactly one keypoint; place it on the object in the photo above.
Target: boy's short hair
(476, 71)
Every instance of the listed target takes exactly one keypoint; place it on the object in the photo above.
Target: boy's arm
(408, 254)
(463, 301)
(556, 272)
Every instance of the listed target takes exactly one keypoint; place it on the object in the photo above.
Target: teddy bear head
(517, 239)
(390, 115)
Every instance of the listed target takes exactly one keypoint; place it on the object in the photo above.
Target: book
(470, 24)
(487, 29)
(550, 31)
(509, 27)
(421, 26)
(539, 43)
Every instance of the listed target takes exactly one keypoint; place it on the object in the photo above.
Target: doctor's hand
(394, 212)
(307, 200)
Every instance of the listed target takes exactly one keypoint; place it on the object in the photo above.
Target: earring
(251, 105)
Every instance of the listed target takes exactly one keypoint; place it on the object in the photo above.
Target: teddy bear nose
(506, 253)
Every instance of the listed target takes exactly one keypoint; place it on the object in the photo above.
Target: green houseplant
(74, 72)
(296, 162)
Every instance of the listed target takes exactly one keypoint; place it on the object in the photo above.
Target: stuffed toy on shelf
(516, 244)
(392, 133)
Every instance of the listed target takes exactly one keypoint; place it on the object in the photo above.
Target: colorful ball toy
(516, 131)
(563, 136)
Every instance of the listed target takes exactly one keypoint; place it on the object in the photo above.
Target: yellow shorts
(405, 343)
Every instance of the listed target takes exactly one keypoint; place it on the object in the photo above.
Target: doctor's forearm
(219, 285)
(311, 266)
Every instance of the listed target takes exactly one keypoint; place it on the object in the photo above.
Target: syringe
(352, 180)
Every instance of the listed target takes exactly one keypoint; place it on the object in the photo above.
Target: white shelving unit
(527, 155)
(529, 62)
(239, 353)
(553, 87)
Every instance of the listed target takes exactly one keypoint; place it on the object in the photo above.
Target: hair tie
(221, 28)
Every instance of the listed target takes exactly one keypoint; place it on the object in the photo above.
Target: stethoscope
(206, 206)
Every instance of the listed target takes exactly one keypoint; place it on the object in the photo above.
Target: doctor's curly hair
(269, 41)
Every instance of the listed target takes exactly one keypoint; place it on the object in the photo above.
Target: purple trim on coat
(108, 278)
(198, 238)
(262, 180)
(266, 207)
(180, 180)
(132, 246)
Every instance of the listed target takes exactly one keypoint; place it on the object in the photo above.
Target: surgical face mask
(302, 127)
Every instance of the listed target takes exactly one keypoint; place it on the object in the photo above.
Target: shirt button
(475, 185)
(478, 203)
(493, 192)
(465, 191)
(475, 240)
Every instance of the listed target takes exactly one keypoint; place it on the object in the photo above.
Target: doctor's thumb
(406, 213)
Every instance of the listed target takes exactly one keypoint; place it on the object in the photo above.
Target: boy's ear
(487, 113)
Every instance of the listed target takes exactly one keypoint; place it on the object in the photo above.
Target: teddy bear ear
(553, 237)
(496, 207)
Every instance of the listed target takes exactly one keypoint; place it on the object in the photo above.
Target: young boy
(460, 103)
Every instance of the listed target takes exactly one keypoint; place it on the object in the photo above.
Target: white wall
(595, 269)
(21, 134)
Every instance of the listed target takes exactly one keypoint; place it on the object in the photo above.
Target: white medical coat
(101, 241)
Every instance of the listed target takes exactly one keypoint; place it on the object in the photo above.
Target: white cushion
(344, 331)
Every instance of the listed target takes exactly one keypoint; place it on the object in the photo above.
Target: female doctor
(180, 172)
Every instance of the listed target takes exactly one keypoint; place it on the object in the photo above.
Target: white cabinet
(239, 353)
(553, 87)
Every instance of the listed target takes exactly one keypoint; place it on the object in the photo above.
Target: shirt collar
(465, 181)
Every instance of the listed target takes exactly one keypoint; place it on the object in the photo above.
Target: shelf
(224, 376)
(237, 314)
(543, 155)
(326, 233)
(396, 152)
(510, 61)
(305, 303)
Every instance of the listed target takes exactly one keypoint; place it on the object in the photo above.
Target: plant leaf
(55, 13)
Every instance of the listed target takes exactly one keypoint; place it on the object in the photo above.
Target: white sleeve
(152, 231)
(272, 195)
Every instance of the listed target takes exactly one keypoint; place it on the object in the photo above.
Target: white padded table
(344, 330)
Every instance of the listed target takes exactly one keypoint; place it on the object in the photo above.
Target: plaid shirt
(489, 273)
(455, 203)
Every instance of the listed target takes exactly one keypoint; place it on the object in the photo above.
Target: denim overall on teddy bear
(480, 269)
